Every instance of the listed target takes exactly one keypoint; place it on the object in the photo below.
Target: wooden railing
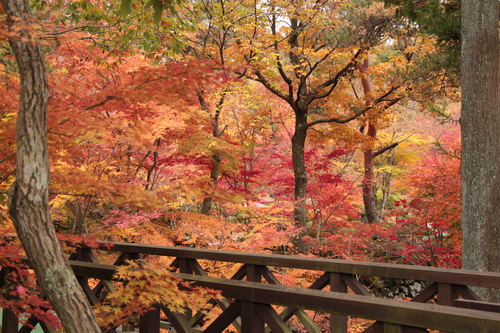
(250, 305)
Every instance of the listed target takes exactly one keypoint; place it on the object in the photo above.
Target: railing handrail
(253, 299)
(386, 310)
(398, 271)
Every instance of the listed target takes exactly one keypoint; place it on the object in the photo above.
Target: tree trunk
(481, 138)
(369, 182)
(206, 206)
(299, 171)
(214, 176)
(369, 176)
(29, 195)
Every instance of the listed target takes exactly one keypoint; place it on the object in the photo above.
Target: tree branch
(108, 98)
(384, 149)
(360, 113)
(332, 83)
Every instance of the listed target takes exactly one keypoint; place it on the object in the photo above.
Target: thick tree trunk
(369, 181)
(300, 176)
(299, 172)
(29, 195)
(481, 138)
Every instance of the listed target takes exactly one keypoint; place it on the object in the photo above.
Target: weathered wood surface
(248, 306)
(409, 272)
(414, 314)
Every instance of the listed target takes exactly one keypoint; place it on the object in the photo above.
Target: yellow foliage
(145, 285)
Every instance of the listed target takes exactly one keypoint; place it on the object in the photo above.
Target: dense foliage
(180, 132)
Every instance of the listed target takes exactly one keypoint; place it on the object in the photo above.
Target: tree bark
(214, 176)
(481, 138)
(368, 155)
(299, 170)
(29, 195)
(206, 206)
(369, 183)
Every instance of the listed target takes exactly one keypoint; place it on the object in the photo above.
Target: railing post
(184, 266)
(9, 322)
(186, 269)
(338, 324)
(9, 319)
(392, 328)
(251, 322)
(150, 321)
(253, 274)
(446, 296)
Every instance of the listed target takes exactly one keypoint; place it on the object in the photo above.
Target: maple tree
(21, 294)
(109, 171)
(316, 98)
(145, 285)
(301, 83)
(256, 115)
(369, 128)
(423, 228)
(101, 167)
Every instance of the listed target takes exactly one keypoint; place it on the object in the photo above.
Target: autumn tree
(29, 194)
(480, 137)
(154, 141)
(369, 128)
(214, 22)
(428, 219)
(302, 53)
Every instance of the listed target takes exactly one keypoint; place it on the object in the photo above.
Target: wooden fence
(253, 293)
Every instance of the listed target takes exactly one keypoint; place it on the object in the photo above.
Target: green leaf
(158, 11)
(126, 7)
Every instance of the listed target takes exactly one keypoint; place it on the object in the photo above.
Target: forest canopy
(327, 128)
(217, 124)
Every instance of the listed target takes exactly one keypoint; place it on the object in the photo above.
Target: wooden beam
(150, 321)
(9, 322)
(225, 318)
(410, 272)
(392, 328)
(266, 273)
(446, 294)
(240, 274)
(276, 324)
(477, 305)
(466, 292)
(196, 267)
(386, 310)
(251, 321)
(177, 320)
(338, 323)
(426, 294)
(355, 285)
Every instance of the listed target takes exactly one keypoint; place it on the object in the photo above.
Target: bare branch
(332, 83)
(384, 149)
(359, 113)
(108, 98)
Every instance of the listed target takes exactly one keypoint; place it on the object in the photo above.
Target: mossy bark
(29, 195)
